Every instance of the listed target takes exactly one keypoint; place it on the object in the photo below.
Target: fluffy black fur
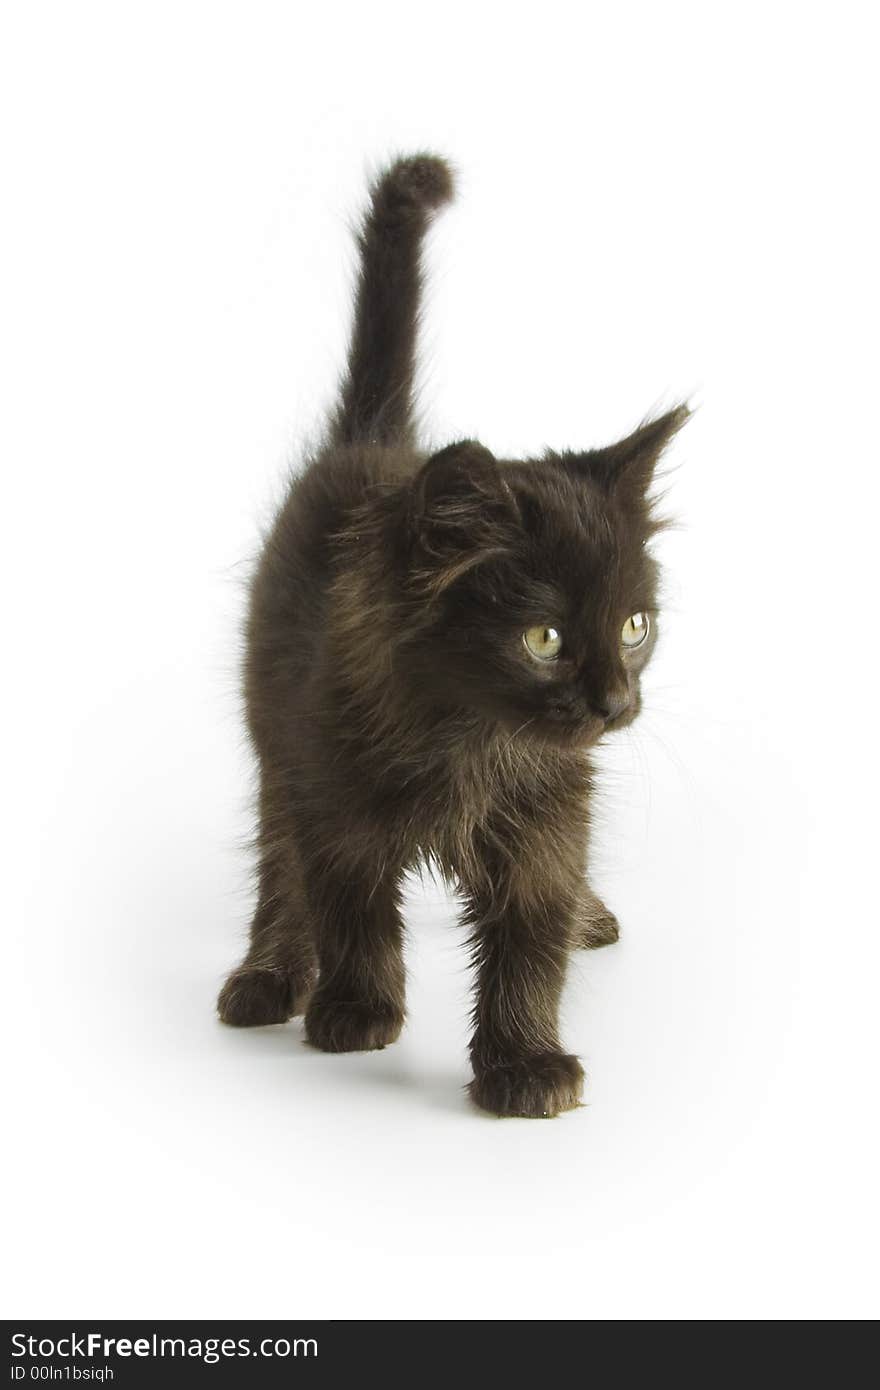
(398, 712)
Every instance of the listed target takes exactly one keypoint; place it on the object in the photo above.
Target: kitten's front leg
(521, 941)
(358, 1004)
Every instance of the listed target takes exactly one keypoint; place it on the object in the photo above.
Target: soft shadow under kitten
(433, 645)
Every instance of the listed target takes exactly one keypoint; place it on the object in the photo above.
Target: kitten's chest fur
(490, 796)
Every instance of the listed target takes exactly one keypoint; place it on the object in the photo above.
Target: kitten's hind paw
(252, 998)
(352, 1026)
(532, 1087)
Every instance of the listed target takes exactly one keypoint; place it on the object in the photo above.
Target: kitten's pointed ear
(454, 480)
(461, 510)
(628, 467)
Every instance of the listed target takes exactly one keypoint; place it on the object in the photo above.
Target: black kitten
(434, 643)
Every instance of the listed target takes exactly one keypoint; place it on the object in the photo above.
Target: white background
(655, 201)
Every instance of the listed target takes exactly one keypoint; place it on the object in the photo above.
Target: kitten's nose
(613, 703)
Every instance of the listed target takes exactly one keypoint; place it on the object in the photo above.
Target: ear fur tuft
(629, 466)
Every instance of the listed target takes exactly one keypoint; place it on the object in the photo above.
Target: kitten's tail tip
(417, 182)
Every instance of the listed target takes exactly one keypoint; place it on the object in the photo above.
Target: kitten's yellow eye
(543, 643)
(635, 630)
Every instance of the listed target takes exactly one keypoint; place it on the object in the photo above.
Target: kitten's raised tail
(377, 391)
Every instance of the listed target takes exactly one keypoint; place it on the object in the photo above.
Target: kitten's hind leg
(274, 980)
(595, 925)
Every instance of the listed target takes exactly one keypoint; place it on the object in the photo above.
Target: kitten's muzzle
(613, 705)
(570, 709)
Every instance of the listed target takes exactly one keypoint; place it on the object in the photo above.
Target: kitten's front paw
(252, 998)
(535, 1087)
(345, 1026)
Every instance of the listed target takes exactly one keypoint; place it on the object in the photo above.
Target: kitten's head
(535, 592)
